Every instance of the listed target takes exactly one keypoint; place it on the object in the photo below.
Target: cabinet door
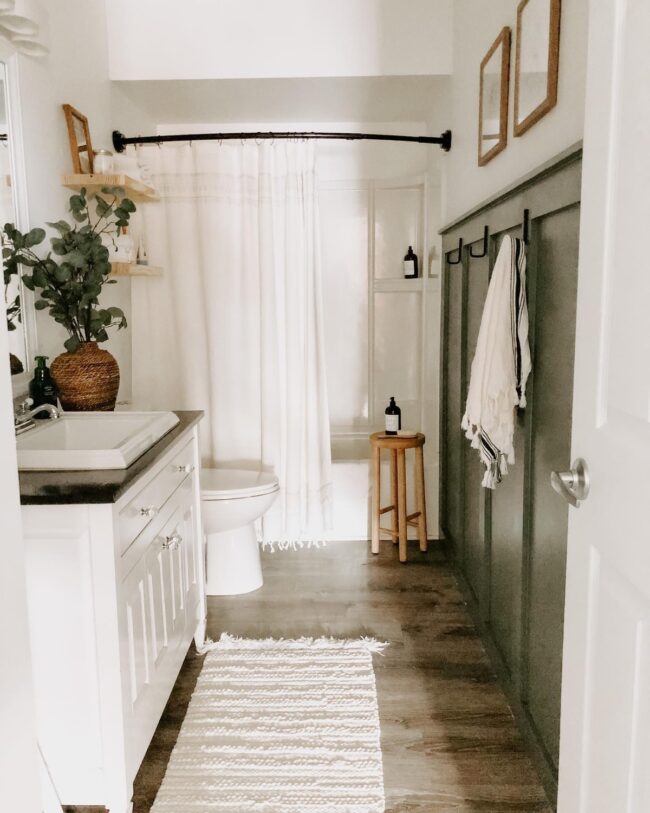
(166, 580)
(134, 603)
(153, 599)
(160, 603)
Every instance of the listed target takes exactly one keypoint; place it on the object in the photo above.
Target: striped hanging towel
(501, 364)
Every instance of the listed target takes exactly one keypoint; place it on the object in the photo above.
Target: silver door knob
(149, 511)
(184, 469)
(573, 485)
(172, 542)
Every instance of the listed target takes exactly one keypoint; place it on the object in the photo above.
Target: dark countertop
(101, 485)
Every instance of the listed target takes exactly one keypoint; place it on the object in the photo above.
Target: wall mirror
(493, 99)
(536, 62)
(18, 300)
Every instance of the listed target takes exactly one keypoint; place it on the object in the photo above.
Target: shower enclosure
(380, 330)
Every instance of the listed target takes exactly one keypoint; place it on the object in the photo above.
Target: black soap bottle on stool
(411, 264)
(393, 417)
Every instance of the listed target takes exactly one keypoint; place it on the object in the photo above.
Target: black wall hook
(525, 227)
(459, 256)
(484, 249)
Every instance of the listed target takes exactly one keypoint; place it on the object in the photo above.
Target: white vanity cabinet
(116, 596)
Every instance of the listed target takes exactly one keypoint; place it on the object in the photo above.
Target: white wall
(215, 39)
(76, 71)
(475, 26)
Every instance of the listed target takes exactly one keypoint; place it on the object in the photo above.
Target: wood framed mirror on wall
(493, 99)
(536, 61)
(81, 148)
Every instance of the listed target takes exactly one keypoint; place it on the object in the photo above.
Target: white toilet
(231, 501)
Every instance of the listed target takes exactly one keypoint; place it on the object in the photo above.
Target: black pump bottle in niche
(393, 417)
(411, 264)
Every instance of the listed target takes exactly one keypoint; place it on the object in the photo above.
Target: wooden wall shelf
(133, 189)
(135, 270)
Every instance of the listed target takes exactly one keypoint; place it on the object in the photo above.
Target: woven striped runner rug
(279, 726)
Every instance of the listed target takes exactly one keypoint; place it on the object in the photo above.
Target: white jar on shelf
(103, 163)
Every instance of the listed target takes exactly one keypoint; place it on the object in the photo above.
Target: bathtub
(350, 486)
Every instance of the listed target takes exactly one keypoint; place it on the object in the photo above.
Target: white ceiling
(237, 39)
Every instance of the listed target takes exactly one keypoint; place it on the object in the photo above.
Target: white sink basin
(91, 440)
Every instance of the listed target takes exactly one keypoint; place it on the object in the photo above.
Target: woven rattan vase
(87, 379)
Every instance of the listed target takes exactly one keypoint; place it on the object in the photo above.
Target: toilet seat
(232, 484)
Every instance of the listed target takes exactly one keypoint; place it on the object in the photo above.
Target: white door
(605, 728)
(19, 777)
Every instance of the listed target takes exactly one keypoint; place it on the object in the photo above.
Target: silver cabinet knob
(573, 485)
(184, 469)
(149, 511)
(172, 542)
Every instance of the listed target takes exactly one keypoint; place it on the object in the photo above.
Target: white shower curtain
(234, 326)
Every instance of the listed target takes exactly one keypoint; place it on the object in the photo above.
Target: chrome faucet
(24, 416)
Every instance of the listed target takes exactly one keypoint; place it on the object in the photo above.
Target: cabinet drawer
(138, 513)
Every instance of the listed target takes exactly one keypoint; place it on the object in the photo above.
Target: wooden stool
(398, 446)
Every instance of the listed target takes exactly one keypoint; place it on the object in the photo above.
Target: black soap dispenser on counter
(42, 389)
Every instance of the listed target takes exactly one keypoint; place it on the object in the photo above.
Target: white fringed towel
(501, 364)
(279, 726)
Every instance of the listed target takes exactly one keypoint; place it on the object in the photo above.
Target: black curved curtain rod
(120, 141)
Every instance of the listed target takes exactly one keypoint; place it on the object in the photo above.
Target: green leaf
(128, 205)
(28, 262)
(72, 344)
(59, 246)
(61, 226)
(41, 304)
(76, 258)
(62, 274)
(40, 280)
(34, 237)
(102, 206)
(28, 282)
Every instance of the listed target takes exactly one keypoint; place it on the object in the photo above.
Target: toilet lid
(228, 484)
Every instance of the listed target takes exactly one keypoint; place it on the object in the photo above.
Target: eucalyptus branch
(71, 277)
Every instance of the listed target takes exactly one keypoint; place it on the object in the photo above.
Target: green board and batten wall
(509, 545)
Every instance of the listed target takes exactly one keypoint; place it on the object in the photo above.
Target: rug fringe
(227, 641)
(292, 544)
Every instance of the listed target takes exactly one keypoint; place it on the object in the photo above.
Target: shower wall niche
(378, 335)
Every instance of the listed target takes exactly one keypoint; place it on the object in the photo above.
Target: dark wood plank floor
(449, 740)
